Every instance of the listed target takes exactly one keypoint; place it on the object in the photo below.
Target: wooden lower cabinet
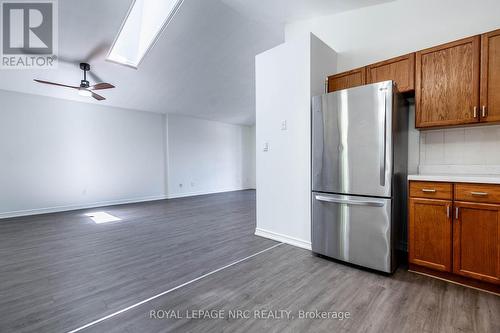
(430, 233)
(457, 240)
(476, 241)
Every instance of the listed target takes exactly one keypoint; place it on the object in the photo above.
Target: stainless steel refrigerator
(359, 169)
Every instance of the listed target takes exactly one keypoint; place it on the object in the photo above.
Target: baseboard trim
(193, 194)
(57, 209)
(283, 238)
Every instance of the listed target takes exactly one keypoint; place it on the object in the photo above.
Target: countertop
(480, 179)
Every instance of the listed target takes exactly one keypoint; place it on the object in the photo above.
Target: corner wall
(208, 156)
(60, 155)
(287, 76)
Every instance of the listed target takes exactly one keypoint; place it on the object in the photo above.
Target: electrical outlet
(266, 147)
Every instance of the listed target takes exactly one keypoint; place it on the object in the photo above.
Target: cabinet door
(401, 70)
(447, 84)
(476, 241)
(350, 79)
(490, 76)
(430, 233)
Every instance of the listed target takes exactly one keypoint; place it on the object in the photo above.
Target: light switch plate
(283, 125)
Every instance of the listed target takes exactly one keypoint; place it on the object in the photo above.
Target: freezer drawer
(353, 229)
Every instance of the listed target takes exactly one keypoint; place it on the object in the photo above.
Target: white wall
(208, 157)
(250, 157)
(57, 155)
(286, 78)
(383, 31)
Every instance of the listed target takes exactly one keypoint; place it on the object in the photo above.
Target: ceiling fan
(85, 89)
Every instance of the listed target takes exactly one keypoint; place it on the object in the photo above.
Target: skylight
(102, 217)
(143, 24)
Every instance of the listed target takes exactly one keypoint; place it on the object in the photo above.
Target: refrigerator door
(353, 229)
(352, 141)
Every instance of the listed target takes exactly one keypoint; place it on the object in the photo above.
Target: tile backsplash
(470, 150)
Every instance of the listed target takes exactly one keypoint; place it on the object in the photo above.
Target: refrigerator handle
(372, 203)
(382, 138)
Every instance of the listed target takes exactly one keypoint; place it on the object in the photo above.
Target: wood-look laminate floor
(61, 271)
(292, 279)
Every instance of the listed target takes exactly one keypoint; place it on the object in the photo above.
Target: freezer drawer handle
(350, 202)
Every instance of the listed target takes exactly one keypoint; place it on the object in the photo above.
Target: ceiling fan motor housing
(84, 67)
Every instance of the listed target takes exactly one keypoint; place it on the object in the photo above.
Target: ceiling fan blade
(98, 52)
(94, 76)
(98, 97)
(65, 60)
(100, 86)
(55, 84)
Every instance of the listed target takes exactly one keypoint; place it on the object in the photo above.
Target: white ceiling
(202, 65)
(286, 11)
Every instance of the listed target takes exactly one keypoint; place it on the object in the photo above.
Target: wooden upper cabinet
(350, 79)
(401, 70)
(457, 83)
(490, 76)
(476, 241)
(447, 84)
(430, 233)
